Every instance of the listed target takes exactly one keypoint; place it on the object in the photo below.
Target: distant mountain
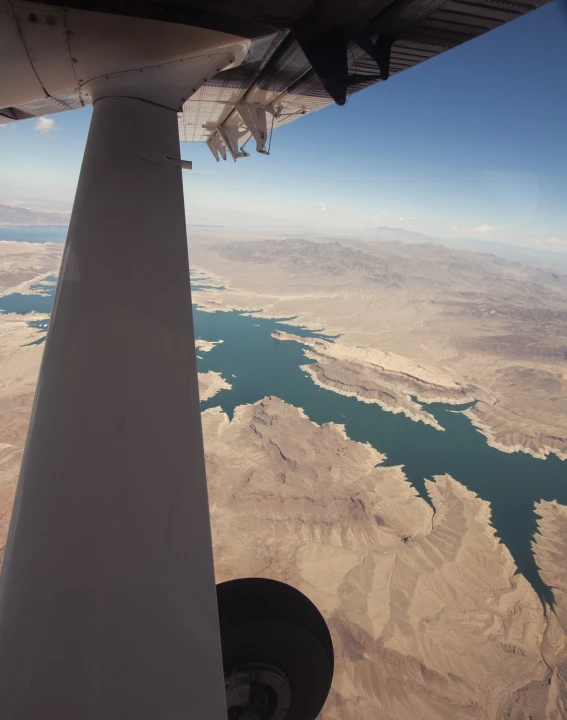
(541, 257)
(11, 215)
(518, 253)
(425, 269)
(320, 258)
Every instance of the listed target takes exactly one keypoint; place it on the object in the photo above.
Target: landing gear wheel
(277, 651)
(257, 691)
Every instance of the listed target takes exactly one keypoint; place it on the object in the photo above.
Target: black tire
(269, 623)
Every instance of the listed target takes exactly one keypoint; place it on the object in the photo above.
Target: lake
(34, 233)
(256, 365)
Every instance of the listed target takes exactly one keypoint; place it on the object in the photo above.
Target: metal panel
(44, 33)
(18, 81)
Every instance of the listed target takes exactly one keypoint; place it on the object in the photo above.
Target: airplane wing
(302, 56)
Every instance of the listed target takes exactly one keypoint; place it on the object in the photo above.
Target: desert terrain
(373, 376)
(493, 328)
(22, 264)
(210, 383)
(428, 616)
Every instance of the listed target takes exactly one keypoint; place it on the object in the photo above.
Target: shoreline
(210, 384)
(481, 394)
(490, 435)
(427, 419)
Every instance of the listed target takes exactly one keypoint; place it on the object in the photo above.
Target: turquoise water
(510, 482)
(22, 304)
(256, 365)
(40, 301)
(34, 233)
(198, 285)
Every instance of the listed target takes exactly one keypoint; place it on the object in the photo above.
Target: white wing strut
(107, 601)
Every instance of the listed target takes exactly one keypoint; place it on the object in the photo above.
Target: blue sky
(470, 144)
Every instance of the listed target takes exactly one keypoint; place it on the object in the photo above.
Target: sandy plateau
(378, 377)
(428, 618)
(210, 383)
(206, 345)
(22, 262)
(485, 328)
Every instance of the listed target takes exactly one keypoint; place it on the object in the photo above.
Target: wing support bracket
(254, 117)
(253, 122)
(216, 146)
(230, 135)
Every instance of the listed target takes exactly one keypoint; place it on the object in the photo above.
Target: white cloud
(413, 217)
(44, 126)
(323, 207)
(400, 218)
(480, 230)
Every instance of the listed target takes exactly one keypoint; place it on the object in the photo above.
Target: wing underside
(302, 56)
(326, 58)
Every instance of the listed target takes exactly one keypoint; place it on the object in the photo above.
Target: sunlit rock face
(427, 615)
